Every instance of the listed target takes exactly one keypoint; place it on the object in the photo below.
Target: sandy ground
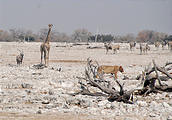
(72, 60)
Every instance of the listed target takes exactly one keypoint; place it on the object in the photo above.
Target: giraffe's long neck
(47, 40)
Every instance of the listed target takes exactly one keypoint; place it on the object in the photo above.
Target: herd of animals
(45, 49)
(144, 47)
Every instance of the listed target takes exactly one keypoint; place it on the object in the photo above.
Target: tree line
(81, 35)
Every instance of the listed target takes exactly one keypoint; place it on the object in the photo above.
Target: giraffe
(45, 47)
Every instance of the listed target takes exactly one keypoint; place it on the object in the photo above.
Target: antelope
(132, 45)
(144, 48)
(19, 58)
(109, 46)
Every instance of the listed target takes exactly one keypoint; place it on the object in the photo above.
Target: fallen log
(168, 63)
(96, 47)
(39, 66)
(149, 81)
(157, 76)
(75, 44)
(164, 88)
(107, 89)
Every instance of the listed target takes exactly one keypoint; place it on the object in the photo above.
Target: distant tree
(42, 34)
(5, 36)
(29, 36)
(168, 38)
(60, 37)
(21, 35)
(144, 36)
(107, 38)
(14, 34)
(125, 38)
(150, 36)
(97, 38)
(130, 37)
(81, 35)
(55, 36)
(101, 38)
(26, 35)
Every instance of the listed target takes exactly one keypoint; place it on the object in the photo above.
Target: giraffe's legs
(41, 55)
(45, 56)
(106, 50)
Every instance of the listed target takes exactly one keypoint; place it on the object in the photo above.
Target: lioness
(109, 69)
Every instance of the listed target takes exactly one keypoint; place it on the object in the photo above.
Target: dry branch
(157, 76)
(168, 63)
(75, 44)
(107, 89)
(149, 82)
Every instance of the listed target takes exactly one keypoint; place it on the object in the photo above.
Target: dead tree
(150, 80)
(106, 87)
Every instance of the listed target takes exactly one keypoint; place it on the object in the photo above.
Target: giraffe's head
(50, 25)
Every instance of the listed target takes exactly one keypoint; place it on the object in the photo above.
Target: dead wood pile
(107, 89)
(151, 75)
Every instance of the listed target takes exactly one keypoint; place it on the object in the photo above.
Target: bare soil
(72, 60)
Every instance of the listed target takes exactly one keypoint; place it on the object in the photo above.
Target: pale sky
(116, 17)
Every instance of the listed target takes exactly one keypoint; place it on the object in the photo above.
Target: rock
(45, 102)
(72, 101)
(50, 92)
(152, 115)
(65, 106)
(103, 112)
(169, 117)
(50, 106)
(39, 66)
(154, 103)
(142, 103)
(36, 73)
(166, 105)
(108, 106)
(125, 77)
(84, 103)
(25, 85)
(39, 112)
(159, 96)
(115, 105)
(102, 103)
(28, 91)
(93, 110)
(170, 95)
(99, 99)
